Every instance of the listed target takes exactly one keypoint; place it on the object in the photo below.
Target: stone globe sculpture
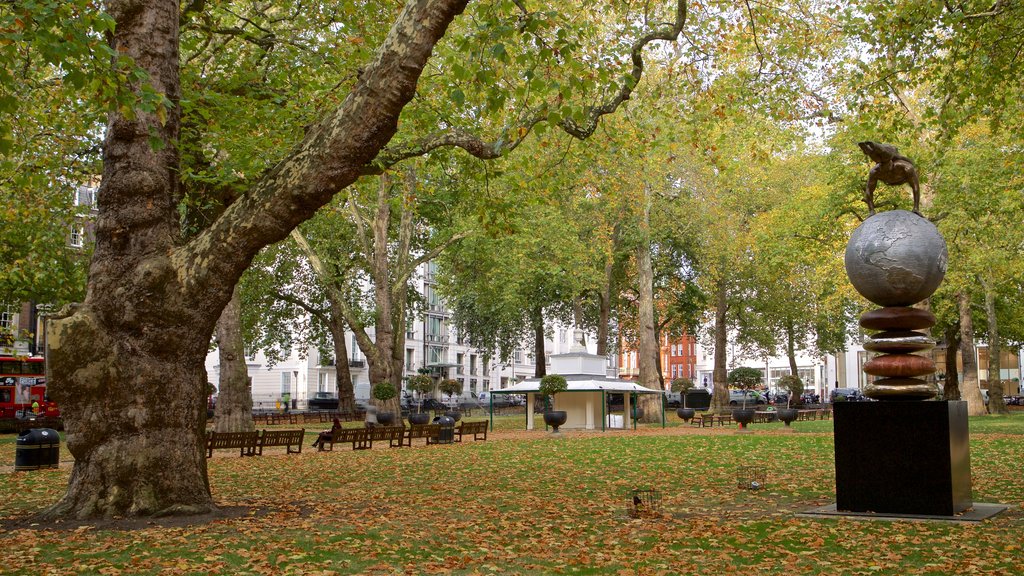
(896, 259)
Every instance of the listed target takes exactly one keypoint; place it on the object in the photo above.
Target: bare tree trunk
(720, 395)
(342, 372)
(605, 298)
(969, 389)
(540, 359)
(790, 349)
(234, 398)
(951, 385)
(996, 405)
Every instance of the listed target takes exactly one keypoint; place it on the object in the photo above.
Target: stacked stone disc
(897, 342)
(896, 259)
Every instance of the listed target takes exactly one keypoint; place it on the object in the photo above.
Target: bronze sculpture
(891, 168)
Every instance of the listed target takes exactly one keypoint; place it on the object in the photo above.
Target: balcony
(357, 363)
(436, 339)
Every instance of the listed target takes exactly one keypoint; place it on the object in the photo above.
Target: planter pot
(555, 418)
(385, 418)
(787, 415)
(454, 415)
(419, 418)
(743, 416)
(686, 414)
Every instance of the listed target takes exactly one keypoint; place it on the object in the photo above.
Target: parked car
(323, 401)
(752, 397)
(847, 395)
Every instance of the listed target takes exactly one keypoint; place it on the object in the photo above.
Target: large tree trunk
(951, 385)
(720, 395)
(995, 384)
(127, 366)
(648, 352)
(969, 389)
(234, 398)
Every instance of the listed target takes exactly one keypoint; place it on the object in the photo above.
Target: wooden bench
(427, 431)
(706, 420)
(477, 429)
(355, 436)
(244, 441)
(286, 438)
(393, 435)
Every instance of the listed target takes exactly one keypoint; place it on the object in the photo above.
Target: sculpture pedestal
(902, 457)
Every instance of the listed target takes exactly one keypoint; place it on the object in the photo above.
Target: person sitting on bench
(326, 435)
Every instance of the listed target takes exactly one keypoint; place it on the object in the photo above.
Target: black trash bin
(37, 448)
(446, 434)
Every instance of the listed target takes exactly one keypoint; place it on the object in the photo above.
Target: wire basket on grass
(751, 477)
(643, 503)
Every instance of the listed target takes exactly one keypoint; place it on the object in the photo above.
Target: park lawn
(522, 503)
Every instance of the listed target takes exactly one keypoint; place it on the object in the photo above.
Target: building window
(6, 319)
(77, 235)
(409, 352)
(286, 383)
(323, 383)
(459, 360)
(85, 196)
(472, 365)
(472, 387)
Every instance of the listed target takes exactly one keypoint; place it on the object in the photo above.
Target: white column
(529, 411)
(626, 420)
(590, 410)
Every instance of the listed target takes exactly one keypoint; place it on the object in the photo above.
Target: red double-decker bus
(22, 382)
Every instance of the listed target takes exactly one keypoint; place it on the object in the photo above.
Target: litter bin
(37, 448)
(446, 434)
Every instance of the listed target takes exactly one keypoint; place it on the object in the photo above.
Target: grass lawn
(523, 503)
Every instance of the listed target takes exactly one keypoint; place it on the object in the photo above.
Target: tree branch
(488, 150)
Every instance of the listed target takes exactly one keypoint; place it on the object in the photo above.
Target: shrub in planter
(383, 392)
(549, 386)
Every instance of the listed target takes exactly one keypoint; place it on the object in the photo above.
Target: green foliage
(420, 384)
(745, 378)
(383, 391)
(450, 387)
(682, 385)
(552, 384)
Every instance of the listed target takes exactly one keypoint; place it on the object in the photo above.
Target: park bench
(244, 441)
(427, 431)
(286, 438)
(356, 436)
(706, 420)
(477, 429)
(393, 435)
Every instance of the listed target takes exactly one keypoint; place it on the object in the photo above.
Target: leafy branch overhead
(578, 123)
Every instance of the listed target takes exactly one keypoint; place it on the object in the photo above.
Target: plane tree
(159, 282)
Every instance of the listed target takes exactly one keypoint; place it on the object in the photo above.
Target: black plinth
(902, 457)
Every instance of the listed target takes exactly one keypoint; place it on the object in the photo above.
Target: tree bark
(951, 385)
(127, 366)
(720, 395)
(342, 372)
(969, 389)
(540, 359)
(234, 398)
(790, 350)
(996, 405)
